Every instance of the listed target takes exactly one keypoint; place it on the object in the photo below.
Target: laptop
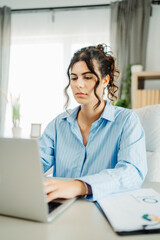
(22, 182)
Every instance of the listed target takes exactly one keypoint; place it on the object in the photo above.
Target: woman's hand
(63, 189)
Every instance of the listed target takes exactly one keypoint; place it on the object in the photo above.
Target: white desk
(82, 221)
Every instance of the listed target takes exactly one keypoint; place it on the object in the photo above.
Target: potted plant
(125, 100)
(15, 103)
(15, 107)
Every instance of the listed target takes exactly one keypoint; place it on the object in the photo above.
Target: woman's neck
(88, 114)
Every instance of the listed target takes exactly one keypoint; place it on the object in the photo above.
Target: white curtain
(42, 46)
(5, 32)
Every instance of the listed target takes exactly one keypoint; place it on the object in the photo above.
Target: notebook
(133, 212)
(22, 182)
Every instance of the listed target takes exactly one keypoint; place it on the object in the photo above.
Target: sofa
(150, 120)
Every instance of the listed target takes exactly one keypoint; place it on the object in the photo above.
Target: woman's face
(83, 82)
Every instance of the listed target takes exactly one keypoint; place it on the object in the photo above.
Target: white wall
(153, 49)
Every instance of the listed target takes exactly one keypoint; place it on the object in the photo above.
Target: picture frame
(35, 130)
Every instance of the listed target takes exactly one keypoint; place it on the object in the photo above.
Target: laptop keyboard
(53, 205)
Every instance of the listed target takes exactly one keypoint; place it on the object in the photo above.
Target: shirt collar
(71, 115)
(108, 113)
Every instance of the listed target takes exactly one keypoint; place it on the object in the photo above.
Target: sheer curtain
(5, 31)
(129, 31)
(42, 46)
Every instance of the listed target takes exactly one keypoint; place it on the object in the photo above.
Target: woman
(99, 146)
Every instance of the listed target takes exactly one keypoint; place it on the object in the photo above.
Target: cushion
(150, 120)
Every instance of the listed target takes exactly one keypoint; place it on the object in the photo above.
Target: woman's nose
(80, 82)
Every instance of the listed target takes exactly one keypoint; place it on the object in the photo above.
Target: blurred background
(41, 39)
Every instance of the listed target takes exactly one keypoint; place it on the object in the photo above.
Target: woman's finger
(50, 188)
(52, 196)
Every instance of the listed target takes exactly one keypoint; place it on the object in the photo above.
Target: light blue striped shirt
(114, 158)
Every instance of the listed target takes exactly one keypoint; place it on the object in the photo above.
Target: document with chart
(133, 212)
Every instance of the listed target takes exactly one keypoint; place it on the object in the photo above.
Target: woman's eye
(73, 79)
(88, 77)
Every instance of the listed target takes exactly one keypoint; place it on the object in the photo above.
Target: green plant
(15, 111)
(125, 99)
(15, 105)
(122, 103)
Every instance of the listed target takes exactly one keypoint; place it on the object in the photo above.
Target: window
(42, 46)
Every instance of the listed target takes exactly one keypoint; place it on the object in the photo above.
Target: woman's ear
(106, 81)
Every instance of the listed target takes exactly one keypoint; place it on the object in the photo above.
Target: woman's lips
(80, 94)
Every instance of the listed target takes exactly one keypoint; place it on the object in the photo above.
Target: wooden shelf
(143, 97)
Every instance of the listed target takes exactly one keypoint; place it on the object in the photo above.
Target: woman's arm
(131, 167)
(46, 144)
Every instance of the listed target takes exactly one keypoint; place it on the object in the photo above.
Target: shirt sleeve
(131, 167)
(46, 144)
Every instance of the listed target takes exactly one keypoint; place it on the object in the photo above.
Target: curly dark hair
(106, 66)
